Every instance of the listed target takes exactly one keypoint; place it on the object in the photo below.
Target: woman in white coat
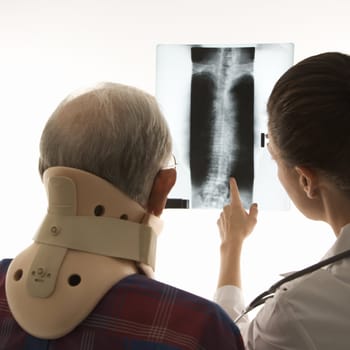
(309, 138)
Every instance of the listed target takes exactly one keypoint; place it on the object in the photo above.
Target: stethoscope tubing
(261, 298)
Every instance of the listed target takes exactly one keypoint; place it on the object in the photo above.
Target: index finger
(235, 197)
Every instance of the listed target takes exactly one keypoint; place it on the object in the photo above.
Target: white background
(48, 48)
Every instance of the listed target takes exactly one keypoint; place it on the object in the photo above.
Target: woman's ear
(308, 180)
(163, 183)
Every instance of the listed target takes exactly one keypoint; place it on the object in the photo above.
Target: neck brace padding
(77, 256)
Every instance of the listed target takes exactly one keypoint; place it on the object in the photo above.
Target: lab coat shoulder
(308, 313)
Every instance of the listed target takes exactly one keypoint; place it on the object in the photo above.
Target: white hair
(114, 131)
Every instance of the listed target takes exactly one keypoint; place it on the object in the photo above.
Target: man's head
(114, 131)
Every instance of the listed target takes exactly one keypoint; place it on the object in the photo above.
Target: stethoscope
(261, 298)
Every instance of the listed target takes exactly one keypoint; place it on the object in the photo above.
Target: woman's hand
(235, 224)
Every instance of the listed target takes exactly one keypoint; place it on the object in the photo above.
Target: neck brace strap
(73, 241)
(103, 236)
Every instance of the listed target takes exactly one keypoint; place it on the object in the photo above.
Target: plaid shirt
(137, 313)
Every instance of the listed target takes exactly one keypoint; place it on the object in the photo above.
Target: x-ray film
(214, 99)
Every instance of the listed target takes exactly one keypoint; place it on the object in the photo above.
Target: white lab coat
(309, 313)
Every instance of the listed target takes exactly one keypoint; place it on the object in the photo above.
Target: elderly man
(86, 281)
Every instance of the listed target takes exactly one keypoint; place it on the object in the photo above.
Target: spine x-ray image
(221, 124)
(214, 99)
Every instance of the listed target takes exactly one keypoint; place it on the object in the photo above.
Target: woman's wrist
(231, 247)
(230, 255)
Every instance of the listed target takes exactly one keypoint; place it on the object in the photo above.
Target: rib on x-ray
(214, 99)
(221, 124)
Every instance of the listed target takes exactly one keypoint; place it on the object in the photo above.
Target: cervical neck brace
(77, 256)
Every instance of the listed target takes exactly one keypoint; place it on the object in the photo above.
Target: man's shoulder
(4, 264)
(149, 286)
(138, 307)
(153, 306)
(178, 303)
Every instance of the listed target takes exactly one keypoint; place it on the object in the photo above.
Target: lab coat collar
(341, 244)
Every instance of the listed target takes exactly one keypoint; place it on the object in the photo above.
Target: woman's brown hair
(309, 115)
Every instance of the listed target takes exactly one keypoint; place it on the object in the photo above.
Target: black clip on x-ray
(177, 203)
(264, 137)
(261, 299)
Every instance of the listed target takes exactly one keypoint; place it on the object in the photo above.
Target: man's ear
(163, 183)
(308, 180)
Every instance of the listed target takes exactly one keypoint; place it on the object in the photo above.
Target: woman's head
(309, 116)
